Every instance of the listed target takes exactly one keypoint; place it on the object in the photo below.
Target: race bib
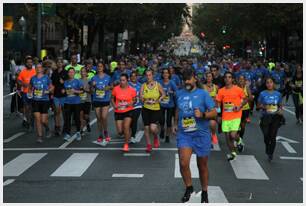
(298, 83)
(38, 93)
(100, 93)
(83, 96)
(189, 124)
(271, 108)
(122, 105)
(166, 100)
(70, 93)
(150, 101)
(228, 106)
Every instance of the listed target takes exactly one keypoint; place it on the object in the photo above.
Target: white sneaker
(133, 140)
(67, 137)
(78, 136)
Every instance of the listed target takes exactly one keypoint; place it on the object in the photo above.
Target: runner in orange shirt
(23, 80)
(123, 99)
(232, 99)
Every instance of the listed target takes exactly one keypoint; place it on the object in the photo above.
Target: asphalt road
(83, 171)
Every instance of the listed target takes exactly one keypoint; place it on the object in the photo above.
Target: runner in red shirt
(123, 98)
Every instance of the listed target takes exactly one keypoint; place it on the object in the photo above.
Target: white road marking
(193, 167)
(290, 158)
(136, 154)
(139, 135)
(84, 148)
(128, 175)
(279, 138)
(289, 111)
(75, 165)
(247, 167)
(8, 181)
(74, 136)
(288, 147)
(13, 137)
(21, 163)
(215, 195)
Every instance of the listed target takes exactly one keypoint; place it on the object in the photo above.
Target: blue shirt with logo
(278, 77)
(71, 97)
(40, 86)
(170, 90)
(101, 95)
(176, 79)
(186, 103)
(137, 86)
(269, 98)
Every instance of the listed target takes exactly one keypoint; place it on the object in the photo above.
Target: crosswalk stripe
(128, 175)
(13, 137)
(288, 147)
(215, 195)
(290, 158)
(8, 181)
(21, 163)
(75, 165)
(193, 167)
(247, 167)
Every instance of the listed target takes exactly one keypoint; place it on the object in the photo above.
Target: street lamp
(23, 23)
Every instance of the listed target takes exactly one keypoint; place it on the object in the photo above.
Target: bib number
(271, 108)
(100, 93)
(38, 93)
(166, 100)
(189, 124)
(83, 96)
(69, 93)
(228, 107)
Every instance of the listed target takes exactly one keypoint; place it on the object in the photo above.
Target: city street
(59, 171)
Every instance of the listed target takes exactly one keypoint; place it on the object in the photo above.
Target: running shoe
(125, 147)
(204, 197)
(248, 120)
(156, 142)
(78, 136)
(107, 139)
(240, 145)
(100, 139)
(39, 140)
(232, 156)
(214, 138)
(67, 137)
(133, 140)
(149, 148)
(188, 192)
(48, 133)
(270, 157)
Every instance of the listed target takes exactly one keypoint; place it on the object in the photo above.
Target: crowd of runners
(194, 99)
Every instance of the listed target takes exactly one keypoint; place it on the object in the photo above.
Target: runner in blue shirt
(101, 90)
(191, 125)
(279, 77)
(120, 70)
(270, 101)
(72, 88)
(39, 89)
(137, 106)
(167, 104)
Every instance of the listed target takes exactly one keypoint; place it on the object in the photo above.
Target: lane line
(128, 175)
(64, 145)
(75, 165)
(247, 167)
(8, 181)
(215, 195)
(21, 163)
(193, 167)
(289, 111)
(13, 137)
(136, 154)
(290, 158)
(85, 148)
(279, 138)
(288, 147)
